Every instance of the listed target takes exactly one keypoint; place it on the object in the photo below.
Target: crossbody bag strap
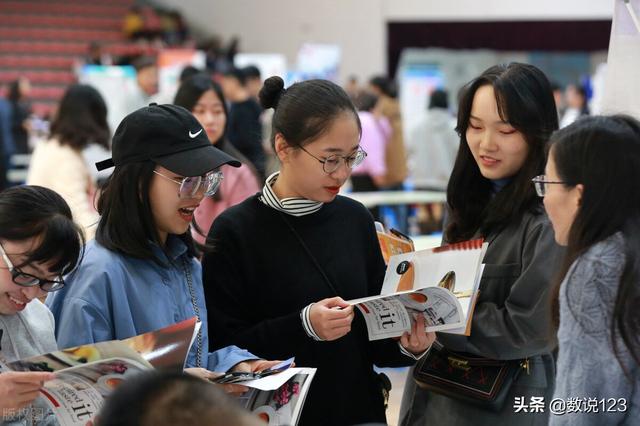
(311, 256)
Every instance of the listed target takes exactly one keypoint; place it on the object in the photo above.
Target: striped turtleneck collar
(294, 206)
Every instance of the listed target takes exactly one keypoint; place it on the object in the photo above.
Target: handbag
(470, 378)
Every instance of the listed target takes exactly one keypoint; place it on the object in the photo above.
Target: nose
(32, 292)
(343, 171)
(486, 142)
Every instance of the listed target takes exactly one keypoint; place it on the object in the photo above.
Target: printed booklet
(440, 284)
(86, 375)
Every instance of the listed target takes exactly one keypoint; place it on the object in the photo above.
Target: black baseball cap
(168, 135)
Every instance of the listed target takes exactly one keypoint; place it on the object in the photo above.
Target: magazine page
(281, 406)
(77, 356)
(76, 395)
(452, 266)
(86, 374)
(167, 347)
(392, 242)
(390, 316)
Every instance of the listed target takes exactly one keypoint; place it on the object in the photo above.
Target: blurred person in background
(576, 100)
(7, 148)
(395, 154)
(146, 83)
(432, 148)
(203, 97)
(253, 80)
(244, 129)
(20, 111)
(376, 131)
(58, 163)
(434, 145)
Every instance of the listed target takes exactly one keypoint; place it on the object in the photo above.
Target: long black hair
(603, 155)
(33, 211)
(192, 89)
(525, 101)
(126, 221)
(81, 118)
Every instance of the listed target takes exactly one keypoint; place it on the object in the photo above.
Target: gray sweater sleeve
(588, 370)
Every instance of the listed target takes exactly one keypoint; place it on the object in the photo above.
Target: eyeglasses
(333, 162)
(27, 280)
(540, 184)
(189, 186)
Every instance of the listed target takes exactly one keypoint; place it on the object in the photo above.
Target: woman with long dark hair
(58, 163)
(505, 118)
(591, 191)
(204, 98)
(141, 272)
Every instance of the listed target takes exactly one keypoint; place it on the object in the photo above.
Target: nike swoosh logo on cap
(193, 135)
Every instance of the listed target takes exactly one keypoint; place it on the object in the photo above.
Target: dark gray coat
(512, 320)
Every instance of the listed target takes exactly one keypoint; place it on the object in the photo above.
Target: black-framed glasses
(540, 184)
(189, 186)
(333, 162)
(24, 279)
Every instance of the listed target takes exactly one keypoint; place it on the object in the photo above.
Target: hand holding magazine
(85, 375)
(441, 284)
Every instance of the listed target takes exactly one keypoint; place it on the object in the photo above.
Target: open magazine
(441, 284)
(87, 374)
(279, 403)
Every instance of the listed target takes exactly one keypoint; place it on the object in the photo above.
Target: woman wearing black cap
(140, 274)
(285, 260)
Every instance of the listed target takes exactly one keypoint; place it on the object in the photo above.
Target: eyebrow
(338, 150)
(495, 122)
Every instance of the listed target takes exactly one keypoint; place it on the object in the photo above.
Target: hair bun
(271, 92)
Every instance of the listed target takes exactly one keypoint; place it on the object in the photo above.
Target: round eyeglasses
(24, 279)
(333, 162)
(540, 184)
(189, 186)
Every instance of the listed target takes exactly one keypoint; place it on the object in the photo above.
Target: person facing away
(395, 154)
(58, 163)
(168, 399)
(577, 106)
(203, 97)
(433, 145)
(141, 272)
(39, 244)
(285, 260)
(244, 129)
(505, 118)
(376, 131)
(591, 194)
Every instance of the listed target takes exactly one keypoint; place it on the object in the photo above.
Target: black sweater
(259, 277)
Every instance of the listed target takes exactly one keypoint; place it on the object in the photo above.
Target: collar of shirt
(294, 206)
(175, 248)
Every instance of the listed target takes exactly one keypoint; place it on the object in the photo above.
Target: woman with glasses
(141, 274)
(591, 193)
(285, 260)
(39, 243)
(203, 97)
(505, 118)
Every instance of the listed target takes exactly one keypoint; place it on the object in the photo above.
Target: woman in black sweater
(297, 243)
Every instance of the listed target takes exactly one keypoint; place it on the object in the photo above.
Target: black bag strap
(311, 256)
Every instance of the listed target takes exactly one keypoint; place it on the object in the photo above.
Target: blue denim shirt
(115, 296)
